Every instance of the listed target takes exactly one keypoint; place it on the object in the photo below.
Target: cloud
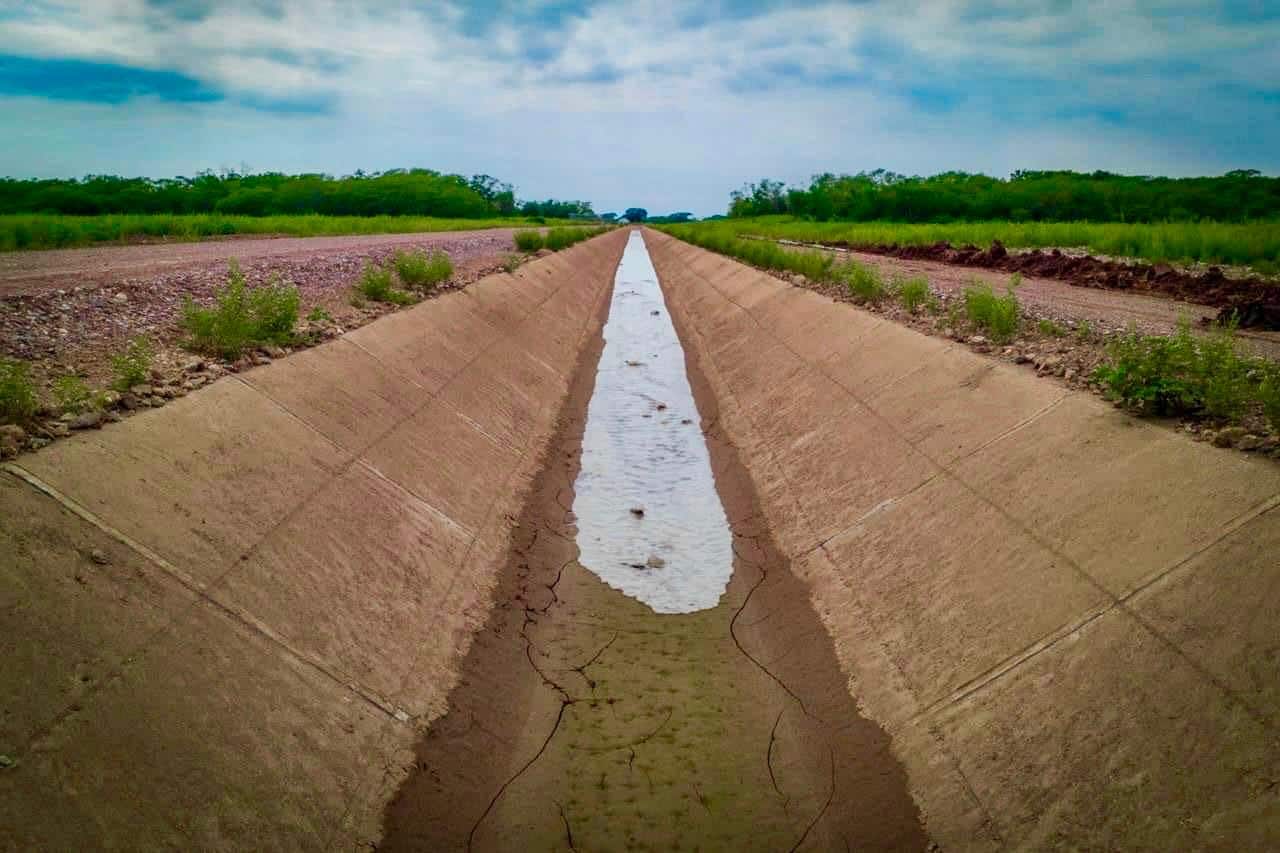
(662, 103)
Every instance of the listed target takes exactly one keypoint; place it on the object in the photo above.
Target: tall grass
(46, 231)
(1256, 243)
(18, 400)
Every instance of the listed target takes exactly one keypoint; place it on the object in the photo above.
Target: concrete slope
(291, 564)
(1067, 619)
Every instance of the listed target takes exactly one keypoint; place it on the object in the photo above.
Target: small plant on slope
(421, 270)
(914, 293)
(17, 393)
(376, 285)
(242, 317)
(864, 282)
(133, 365)
(529, 240)
(72, 394)
(995, 315)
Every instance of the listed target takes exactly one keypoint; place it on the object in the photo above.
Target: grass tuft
(995, 315)
(72, 395)
(422, 270)
(914, 293)
(864, 282)
(1051, 329)
(18, 402)
(377, 285)
(133, 365)
(529, 240)
(242, 317)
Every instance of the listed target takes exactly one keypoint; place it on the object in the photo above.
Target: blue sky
(667, 105)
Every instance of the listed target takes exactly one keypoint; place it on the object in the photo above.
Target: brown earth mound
(1254, 301)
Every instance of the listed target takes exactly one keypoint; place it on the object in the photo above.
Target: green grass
(914, 293)
(529, 241)
(1269, 392)
(864, 283)
(423, 270)
(1185, 374)
(1255, 243)
(1051, 329)
(996, 315)
(18, 401)
(818, 266)
(72, 394)
(242, 317)
(132, 366)
(48, 231)
(376, 284)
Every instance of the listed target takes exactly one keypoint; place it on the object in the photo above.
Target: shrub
(864, 282)
(1178, 374)
(560, 238)
(1050, 328)
(73, 395)
(421, 270)
(18, 401)
(511, 262)
(133, 365)
(996, 315)
(529, 241)
(376, 285)
(319, 315)
(914, 293)
(242, 317)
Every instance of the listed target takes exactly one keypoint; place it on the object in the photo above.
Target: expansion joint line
(202, 592)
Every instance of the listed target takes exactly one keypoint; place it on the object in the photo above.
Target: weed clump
(133, 365)
(529, 240)
(319, 315)
(242, 317)
(1178, 374)
(1050, 329)
(18, 401)
(1269, 393)
(511, 262)
(864, 283)
(377, 285)
(914, 293)
(995, 315)
(421, 270)
(71, 394)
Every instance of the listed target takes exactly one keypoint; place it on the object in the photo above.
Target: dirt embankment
(1255, 301)
(586, 721)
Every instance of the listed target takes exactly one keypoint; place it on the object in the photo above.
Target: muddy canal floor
(585, 721)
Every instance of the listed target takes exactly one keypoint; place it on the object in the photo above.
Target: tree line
(398, 192)
(1238, 196)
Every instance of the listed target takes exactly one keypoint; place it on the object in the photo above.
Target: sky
(662, 104)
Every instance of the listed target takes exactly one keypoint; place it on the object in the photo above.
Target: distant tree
(636, 214)
(608, 217)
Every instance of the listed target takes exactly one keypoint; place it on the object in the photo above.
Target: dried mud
(586, 721)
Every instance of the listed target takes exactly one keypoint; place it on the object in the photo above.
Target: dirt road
(70, 310)
(37, 271)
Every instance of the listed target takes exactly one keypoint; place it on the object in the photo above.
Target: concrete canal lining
(1067, 619)
(1053, 625)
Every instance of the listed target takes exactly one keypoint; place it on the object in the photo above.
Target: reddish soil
(1255, 300)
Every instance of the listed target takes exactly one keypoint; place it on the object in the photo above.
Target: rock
(141, 390)
(261, 360)
(155, 402)
(87, 420)
(99, 556)
(274, 351)
(194, 382)
(58, 429)
(1250, 442)
(1021, 358)
(1069, 374)
(1229, 436)
(977, 340)
(130, 401)
(195, 365)
(1048, 364)
(655, 562)
(6, 762)
(637, 511)
(12, 432)
(38, 443)
(120, 298)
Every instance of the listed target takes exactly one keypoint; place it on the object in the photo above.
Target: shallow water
(643, 450)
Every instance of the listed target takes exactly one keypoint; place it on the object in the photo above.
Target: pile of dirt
(1255, 301)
